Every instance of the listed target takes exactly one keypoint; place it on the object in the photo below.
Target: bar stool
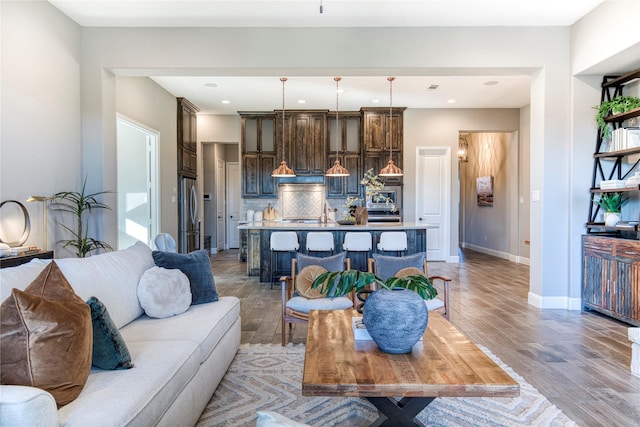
(320, 241)
(281, 241)
(358, 242)
(393, 241)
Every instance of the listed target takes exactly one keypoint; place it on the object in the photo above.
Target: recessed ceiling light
(375, 101)
(491, 83)
(211, 84)
(433, 87)
(226, 101)
(301, 101)
(451, 101)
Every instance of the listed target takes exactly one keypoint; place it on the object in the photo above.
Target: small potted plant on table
(611, 203)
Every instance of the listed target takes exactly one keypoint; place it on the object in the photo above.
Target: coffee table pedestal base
(399, 413)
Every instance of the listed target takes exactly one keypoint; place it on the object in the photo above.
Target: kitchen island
(255, 241)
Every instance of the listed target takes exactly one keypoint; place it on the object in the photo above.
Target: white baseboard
(558, 302)
(499, 254)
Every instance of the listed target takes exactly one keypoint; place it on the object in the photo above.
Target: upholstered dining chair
(389, 266)
(298, 297)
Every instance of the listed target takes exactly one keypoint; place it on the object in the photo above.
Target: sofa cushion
(21, 276)
(204, 324)
(304, 305)
(388, 266)
(109, 349)
(197, 267)
(164, 293)
(138, 396)
(46, 337)
(111, 277)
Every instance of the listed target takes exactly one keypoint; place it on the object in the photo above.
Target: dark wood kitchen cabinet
(259, 154)
(379, 130)
(348, 152)
(305, 141)
(187, 138)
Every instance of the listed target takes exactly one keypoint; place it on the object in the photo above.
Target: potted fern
(618, 105)
(611, 203)
(80, 206)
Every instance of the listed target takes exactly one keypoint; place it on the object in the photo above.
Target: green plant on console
(80, 205)
(618, 105)
(611, 202)
(344, 282)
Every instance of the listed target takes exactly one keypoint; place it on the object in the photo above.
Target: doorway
(233, 204)
(137, 164)
(433, 180)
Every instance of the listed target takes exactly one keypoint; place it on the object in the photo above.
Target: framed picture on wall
(484, 188)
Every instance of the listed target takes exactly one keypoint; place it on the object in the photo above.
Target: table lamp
(42, 199)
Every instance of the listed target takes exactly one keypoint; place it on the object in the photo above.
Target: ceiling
(265, 92)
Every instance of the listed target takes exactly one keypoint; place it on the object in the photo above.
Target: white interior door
(138, 209)
(220, 204)
(433, 198)
(233, 204)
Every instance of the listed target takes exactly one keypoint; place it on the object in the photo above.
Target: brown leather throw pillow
(46, 335)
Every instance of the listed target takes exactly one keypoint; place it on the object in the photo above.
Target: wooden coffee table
(444, 363)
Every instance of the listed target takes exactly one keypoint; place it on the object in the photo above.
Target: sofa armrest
(27, 406)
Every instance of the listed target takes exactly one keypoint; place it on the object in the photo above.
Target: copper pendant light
(337, 169)
(391, 169)
(283, 171)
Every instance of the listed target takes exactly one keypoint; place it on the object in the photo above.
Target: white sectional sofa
(178, 361)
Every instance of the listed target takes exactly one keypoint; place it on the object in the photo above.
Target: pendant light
(283, 171)
(390, 169)
(337, 169)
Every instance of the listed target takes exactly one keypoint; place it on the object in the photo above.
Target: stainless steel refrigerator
(189, 230)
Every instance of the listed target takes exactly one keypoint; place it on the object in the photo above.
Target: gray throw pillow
(197, 267)
(388, 266)
(109, 349)
(330, 263)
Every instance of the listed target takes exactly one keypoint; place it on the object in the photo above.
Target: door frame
(445, 230)
(237, 192)
(153, 186)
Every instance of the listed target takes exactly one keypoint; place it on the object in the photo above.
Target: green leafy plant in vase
(80, 205)
(373, 188)
(611, 203)
(618, 105)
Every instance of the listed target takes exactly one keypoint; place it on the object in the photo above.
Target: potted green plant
(611, 203)
(373, 187)
(80, 206)
(395, 314)
(617, 105)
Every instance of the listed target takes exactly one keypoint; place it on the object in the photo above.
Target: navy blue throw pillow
(109, 349)
(197, 268)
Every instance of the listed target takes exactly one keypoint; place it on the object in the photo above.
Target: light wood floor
(578, 360)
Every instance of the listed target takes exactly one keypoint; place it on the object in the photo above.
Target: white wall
(142, 100)
(40, 102)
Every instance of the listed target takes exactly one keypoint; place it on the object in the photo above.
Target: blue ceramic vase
(396, 319)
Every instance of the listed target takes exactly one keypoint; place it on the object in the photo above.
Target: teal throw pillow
(388, 266)
(197, 267)
(109, 349)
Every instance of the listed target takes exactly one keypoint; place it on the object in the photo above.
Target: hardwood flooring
(578, 360)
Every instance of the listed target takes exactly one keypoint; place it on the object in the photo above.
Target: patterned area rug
(269, 377)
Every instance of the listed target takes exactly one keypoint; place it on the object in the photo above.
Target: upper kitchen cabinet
(187, 138)
(381, 129)
(305, 141)
(258, 154)
(348, 152)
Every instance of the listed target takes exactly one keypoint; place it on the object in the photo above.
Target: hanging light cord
(321, 9)
(391, 79)
(283, 79)
(337, 79)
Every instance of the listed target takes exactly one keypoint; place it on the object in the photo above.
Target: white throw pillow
(164, 292)
(273, 419)
(21, 276)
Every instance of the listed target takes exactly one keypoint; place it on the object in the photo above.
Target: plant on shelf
(373, 188)
(618, 105)
(611, 203)
(80, 206)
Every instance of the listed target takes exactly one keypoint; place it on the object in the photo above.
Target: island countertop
(331, 226)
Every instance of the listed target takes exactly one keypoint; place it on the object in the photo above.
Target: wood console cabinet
(187, 138)
(611, 277)
(258, 154)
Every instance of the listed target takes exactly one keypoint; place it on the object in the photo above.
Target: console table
(12, 261)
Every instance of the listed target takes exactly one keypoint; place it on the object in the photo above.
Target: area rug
(269, 377)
